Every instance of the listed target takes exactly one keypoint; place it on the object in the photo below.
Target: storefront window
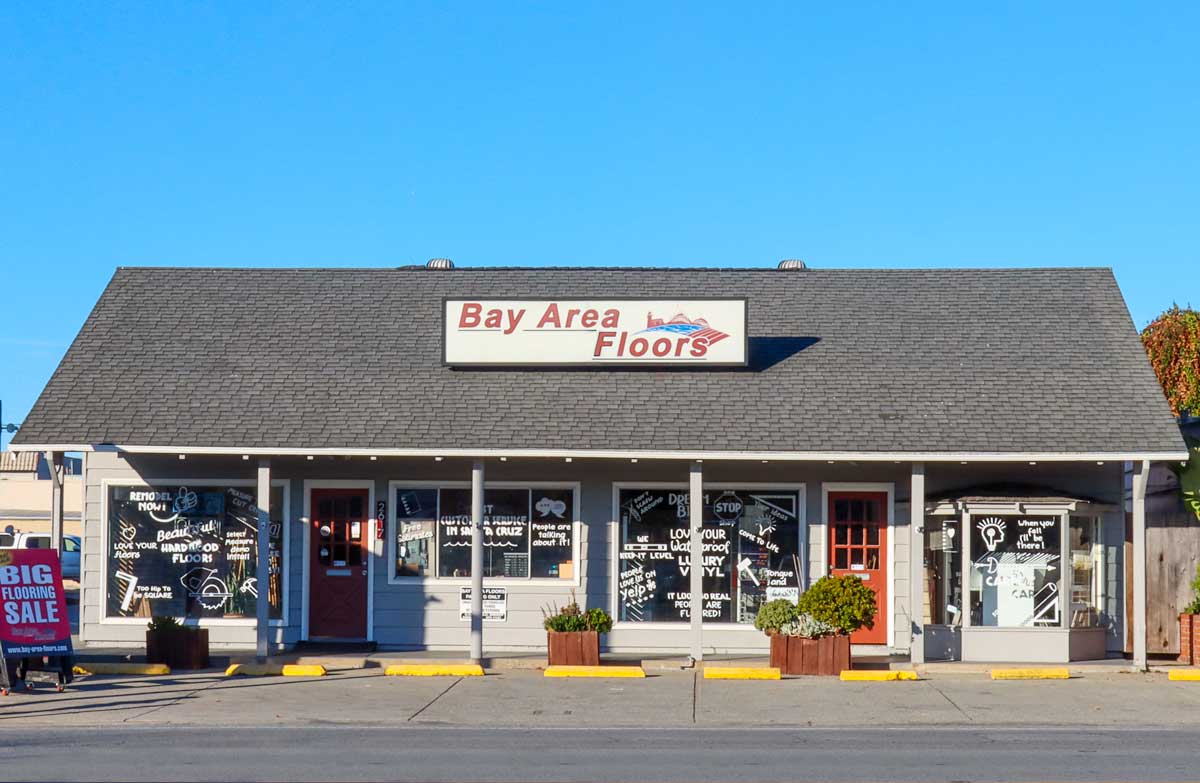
(190, 552)
(1016, 563)
(527, 532)
(1086, 572)
(753, 542)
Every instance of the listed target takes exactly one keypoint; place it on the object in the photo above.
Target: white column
(54, 461)
(696, 523)
(262, 573)
(1141, 475)
(477, 561)
(916, 563)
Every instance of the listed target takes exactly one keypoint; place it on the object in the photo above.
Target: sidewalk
(666, 699)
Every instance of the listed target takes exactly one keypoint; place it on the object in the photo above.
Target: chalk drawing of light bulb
(991, 529)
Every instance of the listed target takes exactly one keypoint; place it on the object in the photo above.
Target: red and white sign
(579, 332)
(33, 607)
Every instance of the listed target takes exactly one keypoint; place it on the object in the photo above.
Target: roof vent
(792, 263)
(439, 263)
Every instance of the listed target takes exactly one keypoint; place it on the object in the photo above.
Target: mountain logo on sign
(697, 329)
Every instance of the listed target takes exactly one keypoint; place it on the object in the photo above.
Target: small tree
(1172, 342)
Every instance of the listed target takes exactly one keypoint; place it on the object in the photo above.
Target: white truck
(69, 554)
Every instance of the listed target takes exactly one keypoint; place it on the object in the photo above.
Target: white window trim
(203, 622)
(889, 487)
(615, 541)
(309, 486)
(544, 584)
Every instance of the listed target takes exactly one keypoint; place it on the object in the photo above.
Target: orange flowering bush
(1172, 342)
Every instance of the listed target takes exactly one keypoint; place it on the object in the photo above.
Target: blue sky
(565, 133)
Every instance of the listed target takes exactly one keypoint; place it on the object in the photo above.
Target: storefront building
(957, 438)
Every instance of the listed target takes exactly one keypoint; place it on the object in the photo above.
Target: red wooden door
(337, 589)
(858, 547)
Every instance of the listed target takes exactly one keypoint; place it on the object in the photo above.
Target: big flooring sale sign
(33, 608)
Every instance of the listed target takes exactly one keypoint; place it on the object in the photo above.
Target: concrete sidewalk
(675, 699)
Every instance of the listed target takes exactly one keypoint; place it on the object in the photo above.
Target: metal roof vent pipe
(439, 263)
(792, 263)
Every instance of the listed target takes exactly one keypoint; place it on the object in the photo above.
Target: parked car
(69, 554)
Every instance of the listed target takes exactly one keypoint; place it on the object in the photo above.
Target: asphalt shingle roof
(947, 361)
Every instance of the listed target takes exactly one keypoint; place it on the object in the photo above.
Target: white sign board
(588, 332)
(495, 604)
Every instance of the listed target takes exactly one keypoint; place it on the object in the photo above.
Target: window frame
(614, 548)
(285, 552)
(465, 581)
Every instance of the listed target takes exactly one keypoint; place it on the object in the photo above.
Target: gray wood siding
(424, 614)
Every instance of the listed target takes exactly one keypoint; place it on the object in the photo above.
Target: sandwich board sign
(33, 606)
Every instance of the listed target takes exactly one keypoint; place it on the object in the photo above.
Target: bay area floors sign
(674, 446)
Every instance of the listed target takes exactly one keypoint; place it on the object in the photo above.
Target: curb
(1031, 674)
(434, 670)
(594, 671)
(123, 668)
(275, 670)
(1184, 675)
(741, 673)
(878, 676)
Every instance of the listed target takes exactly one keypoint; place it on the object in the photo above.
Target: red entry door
(858, 547)
(337, 597)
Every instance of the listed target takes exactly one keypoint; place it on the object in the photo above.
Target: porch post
(477, 561)
(1141, 475)
(54, 461)
(916, 563)
(262, 570)
(696, 522)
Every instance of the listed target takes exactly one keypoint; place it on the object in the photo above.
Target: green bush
(1194, 606)
(845, 602)
(571, 618)
(773, 615)
(159, 623)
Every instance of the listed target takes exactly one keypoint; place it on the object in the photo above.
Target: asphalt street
(421, 753)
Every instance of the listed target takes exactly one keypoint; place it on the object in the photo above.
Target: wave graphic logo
(697, 329)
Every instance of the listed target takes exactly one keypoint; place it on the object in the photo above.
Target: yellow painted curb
(594, 671)
(741, 673)
(303, 670)
(878, 676)
(123, 668)
(1185, 675)
(1031, 674)
(434, 670)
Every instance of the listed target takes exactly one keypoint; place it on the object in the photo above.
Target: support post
(696, 523)
(262, 569)
(477, 561)
(1141, 475)
(54, 461)
(916, 562)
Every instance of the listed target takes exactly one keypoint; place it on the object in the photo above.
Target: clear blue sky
(563, 133)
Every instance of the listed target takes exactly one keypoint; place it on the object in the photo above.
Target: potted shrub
(573, 635)
(1189, 626)
(813, 637)
(178, 646)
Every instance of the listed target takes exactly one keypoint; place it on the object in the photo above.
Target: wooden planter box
(573, 648)
(179, 648)
(1189, 639)
(828, 656)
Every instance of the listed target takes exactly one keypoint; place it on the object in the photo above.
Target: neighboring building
(954, 437)
(25, 493)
